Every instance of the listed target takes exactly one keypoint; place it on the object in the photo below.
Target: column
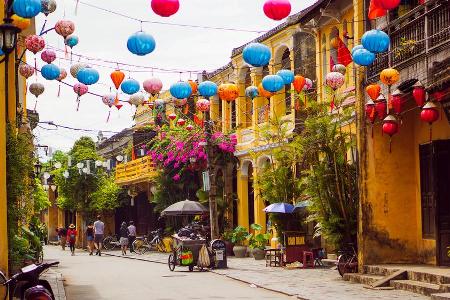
(52, 217)
(260, 215)
(242, 191)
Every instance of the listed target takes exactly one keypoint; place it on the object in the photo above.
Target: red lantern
(438, 96)
(388, 4)
(429, 114)
(419, 93)
(390, 127)
(371, 112)
(396, 101)
(181, 122)
(381, 107)
(189, 127)
(165, 8)
(277, 9)
(172, 116)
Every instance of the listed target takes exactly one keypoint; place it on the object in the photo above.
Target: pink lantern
(109, 99)
(202, 105)
(181, 122)
(172, 116)
(308, 84)
(153, 86)
(80, 89)
(34, 43)
(64, 28)
(26, 70)
(48, 56)
(277, 9)
(335, 80)
(165, 8)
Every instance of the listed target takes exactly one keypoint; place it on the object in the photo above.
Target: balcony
(414, 36)
(136, 171)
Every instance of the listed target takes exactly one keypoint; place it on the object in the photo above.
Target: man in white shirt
(99, 230)
(131, 235)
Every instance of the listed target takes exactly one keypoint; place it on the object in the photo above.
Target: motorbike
(26, 285)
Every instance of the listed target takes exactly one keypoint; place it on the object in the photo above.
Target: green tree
(40, 197)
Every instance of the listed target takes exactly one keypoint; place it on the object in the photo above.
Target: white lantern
(58, 165)
(80, 165)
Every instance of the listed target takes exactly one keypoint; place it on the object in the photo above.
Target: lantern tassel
(35, 104)
(35, 66)
(390, 144)
(109, 115)
(59, 90)
(431, 133)
(372, 131)
(78, 103)
(66, 53)
(332, 103)
(76, 7)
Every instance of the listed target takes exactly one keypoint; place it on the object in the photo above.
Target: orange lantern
(389, 76)
(194, 86)
(373, 90)
(264, 93)
(334, 43)
(228, 92)
(117, 77)
(20, 22)
(299, 83)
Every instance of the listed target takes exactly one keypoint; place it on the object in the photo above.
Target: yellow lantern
(20, 22)
(389, 76)
(228, 92)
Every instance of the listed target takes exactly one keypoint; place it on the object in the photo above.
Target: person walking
(90, 237)
(131, 235)
(99, 230)
(62, 233)
(124, 237)
(72, 237)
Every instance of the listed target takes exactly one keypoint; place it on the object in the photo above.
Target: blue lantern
(256, 54)
(88, 76)
(181, 90)
(130, 86)
(71, 41)
(287, 75)
(50, 71)
(27, 8)
(141, 43)
(356, 48)
(272, 83)
(1, 52)
(376, 41)
(251, 92)
(363, 57)
(207, 89)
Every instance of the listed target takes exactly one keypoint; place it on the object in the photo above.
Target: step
(378, 270)
(441, 296)
(428, 277)
(362, 278)
(417, 287)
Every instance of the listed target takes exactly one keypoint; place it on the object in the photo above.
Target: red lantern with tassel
(390, 127)
(381, 107)
(172, 116)
(371, 113)
(429, 114)
(189, 127)
(396, 101)
(181, 122)
(419, 93)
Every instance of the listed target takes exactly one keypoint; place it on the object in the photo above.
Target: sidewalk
(56, 281)
(311, 284)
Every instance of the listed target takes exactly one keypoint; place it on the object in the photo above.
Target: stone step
(428, 277)
(366, 279)
(379, 270)
(441, 296)
(417, 287)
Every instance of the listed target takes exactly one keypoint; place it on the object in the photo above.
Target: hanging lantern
(202, 105)
(389, 76)
(277, 9)
(48, 56)
(62, 74)
(373, 90)
(308, 84)
(80, 89)
(74, 69)
(381, 107)
(137, 99)
(363, 57)
(152, 86)
(287, 75)
(71, 41)
(172, 116)
(36, 88)
(396, 101)
(388, 4)
(371, 112)
(335, 80)
(390, 127)
(165, 8)
(34, 43)
(429, 114)
(64, 28)
(141, 43)
(50, 71)
(26, 70)
(160, 104)
(181, 122)
(251, 92)
(130, 86)
(419, 93)
(179, 102)
(376, 41)
(117, 77)
(357, 47)
(256, 54)
(272, 83)
(109, 99)
(207, 89)
(19, 22)
(228, 92)
(194, 86)
(264, 93)
(339, 68)
(48, 6)
(151, 105)
(88, 76)
(27, 8)
(189, 127)
(299, 83)
(181, 90)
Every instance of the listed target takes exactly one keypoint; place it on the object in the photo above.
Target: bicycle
(154, 241)
(111, 243)
(347, 261)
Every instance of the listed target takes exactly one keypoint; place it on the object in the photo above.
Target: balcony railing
(420, 32)
(136, 171)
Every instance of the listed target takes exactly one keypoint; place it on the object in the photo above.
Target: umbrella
(184, 208)
(284, 208)
(302, 205)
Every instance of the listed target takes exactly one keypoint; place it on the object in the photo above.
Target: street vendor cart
(186, 252)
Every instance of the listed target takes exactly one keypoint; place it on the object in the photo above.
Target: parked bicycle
(152, 242)
(347, 260)
(110, 243)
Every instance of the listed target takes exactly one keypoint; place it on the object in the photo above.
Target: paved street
(92, 277)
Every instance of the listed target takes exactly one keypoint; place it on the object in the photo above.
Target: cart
(183, 248)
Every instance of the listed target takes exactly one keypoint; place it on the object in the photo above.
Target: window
(286, 64)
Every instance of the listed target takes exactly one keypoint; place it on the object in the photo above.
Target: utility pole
(214, 222)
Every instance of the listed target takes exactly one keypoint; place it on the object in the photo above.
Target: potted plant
(227, 238)
(238, 236)
(258, 242)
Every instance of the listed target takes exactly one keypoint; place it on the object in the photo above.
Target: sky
(104, 35)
